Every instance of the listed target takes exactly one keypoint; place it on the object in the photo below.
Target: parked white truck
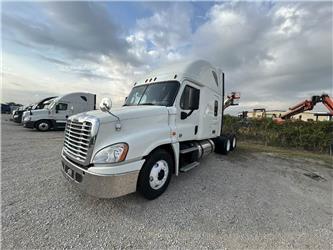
(56, 112)
(17, 114)
(171, 119)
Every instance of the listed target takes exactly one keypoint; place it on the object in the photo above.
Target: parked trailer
(55, 114)
(172, 118)
(5, 108)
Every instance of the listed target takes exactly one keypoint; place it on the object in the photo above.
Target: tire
(233, 141)
(155, 174)
(43, 125)
(222, 144)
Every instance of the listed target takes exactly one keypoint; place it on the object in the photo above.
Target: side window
(62, 106)
(190, 98)
(216, 108)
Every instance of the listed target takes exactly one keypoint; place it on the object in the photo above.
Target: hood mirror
(105, 105)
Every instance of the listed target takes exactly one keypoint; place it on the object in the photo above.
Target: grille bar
(77, 136)
(80, 149)
(77, 139)
(74, 141)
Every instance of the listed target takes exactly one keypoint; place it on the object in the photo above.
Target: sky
(274, 53)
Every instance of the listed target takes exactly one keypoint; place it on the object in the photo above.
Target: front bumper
(17, 118)
(28, 124)
(102, 185)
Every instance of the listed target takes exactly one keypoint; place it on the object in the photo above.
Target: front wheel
(155, 174)
(43, 126)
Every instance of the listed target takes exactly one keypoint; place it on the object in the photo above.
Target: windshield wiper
(148, 103)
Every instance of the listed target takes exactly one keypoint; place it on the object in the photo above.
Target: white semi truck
(56, 112)
(171, 119)
(18, 113)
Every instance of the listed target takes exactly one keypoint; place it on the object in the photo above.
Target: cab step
(187, 150)
(188, 167)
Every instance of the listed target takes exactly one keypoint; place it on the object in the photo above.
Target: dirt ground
(250, 199)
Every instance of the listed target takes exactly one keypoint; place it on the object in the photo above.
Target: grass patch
(255, 147)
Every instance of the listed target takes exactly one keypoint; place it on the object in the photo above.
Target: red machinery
(230, 101)
(307, 105)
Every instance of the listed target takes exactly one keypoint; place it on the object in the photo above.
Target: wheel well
(169, 149)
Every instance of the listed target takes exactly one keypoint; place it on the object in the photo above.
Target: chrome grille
(77, 139)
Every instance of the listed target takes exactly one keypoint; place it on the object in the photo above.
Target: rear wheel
(155, 174)
(43, 125)
(222, 144)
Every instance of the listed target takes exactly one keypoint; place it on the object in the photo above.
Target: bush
(313, 136)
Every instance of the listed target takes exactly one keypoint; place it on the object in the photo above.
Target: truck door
(63, 111)
(187, 120)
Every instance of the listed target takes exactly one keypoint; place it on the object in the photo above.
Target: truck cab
(55, 112)
(170, 120)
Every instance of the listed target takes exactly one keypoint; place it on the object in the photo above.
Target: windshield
(161, 94)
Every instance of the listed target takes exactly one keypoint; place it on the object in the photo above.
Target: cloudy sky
(274, 53)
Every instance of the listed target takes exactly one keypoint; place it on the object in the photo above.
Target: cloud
(275, 54)
(79, 29)
(163, 36)
(271, 54)
(54, 60)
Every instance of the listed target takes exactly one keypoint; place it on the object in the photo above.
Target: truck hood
(38, 112)
(127, 113)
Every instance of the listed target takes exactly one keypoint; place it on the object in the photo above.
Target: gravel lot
(243, 200)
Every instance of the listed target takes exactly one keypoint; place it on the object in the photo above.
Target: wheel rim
(234, 142)
(43, 126)
(228, 145)
(158, 174)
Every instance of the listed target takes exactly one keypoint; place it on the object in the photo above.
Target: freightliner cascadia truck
(18, 113)
(171, 119)
(55, 114)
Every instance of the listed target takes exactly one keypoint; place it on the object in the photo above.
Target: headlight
(27, 118)
(111, 154)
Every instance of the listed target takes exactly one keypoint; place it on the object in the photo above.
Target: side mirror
(57, 108)
(105, 105)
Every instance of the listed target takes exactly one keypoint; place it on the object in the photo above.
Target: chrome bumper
(98, 185)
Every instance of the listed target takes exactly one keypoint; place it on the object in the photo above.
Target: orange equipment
(307, 105)
(230, 101)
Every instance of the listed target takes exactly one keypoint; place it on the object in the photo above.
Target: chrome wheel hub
(158, 174)
(228, 145)
(43, 126)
